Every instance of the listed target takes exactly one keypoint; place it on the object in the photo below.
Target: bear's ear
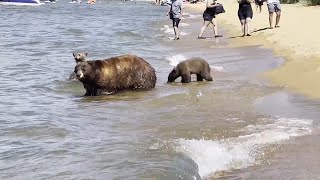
(86, 54)
(74, 54)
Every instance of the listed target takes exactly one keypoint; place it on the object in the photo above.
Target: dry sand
(297, 41)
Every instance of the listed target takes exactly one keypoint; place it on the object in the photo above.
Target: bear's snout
(80, 74)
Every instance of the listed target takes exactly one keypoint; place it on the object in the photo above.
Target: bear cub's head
(80, 57)
(83, 71)
(173, 75)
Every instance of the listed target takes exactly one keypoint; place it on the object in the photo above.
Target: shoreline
(300, 53)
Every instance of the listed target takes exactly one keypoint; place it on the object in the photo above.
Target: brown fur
(115, 74)
(195, 65)
(80, 57)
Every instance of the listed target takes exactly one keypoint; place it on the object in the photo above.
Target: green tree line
(309, 2)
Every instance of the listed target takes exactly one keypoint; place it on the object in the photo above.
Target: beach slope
(297, 41)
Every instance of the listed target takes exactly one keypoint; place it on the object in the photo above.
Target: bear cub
(195, 65)
(78, 57)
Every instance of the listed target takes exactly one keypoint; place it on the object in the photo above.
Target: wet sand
(298, 45)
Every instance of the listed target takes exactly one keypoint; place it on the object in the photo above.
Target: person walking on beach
(175, 13)
(209, 17)
(274, 6)
(245, 15)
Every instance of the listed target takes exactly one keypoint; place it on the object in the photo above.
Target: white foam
(184, 24)
(166, 29)
(185, 14)
(193, 16)
(169, 30)
(199, 94)
(176, 59)
(240, 152)
(217, 68)
(184, 33)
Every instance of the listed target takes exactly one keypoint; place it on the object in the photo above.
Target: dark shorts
(245, 13)
(175, 22)
(207, 17)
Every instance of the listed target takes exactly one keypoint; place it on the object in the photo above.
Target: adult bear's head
(174, 74)
(84, 71)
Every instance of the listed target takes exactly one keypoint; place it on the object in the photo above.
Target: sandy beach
(297, 41)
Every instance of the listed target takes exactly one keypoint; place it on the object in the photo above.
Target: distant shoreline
(297, 41)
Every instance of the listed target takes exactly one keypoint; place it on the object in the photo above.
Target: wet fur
(195, 65)
(115, 74)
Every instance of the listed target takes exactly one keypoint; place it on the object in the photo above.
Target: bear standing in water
(195, 65)
(115, 74)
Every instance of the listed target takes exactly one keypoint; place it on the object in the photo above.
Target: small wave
(184, 24)
(184, 34)
(193, 16)
(168, 30)
(217, 68)
(176, 59)
(185, 14)
(243, 151)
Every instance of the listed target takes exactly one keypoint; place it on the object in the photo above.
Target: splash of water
(169, 30)
(217, 68)
(176, 59)
(199, 94)
(240, 152)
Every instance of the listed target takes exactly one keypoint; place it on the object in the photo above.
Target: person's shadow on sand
(232, 37)
(261, 29)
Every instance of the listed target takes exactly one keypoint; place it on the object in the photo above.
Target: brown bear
(195, 65)
(115, 74)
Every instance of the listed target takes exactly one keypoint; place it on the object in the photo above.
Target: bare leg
(260, 8)
(242, 21)
(176, 31)
(246, 26)
(204, 27)
(270, 19)
(175, 23)
(215, 27)
(278, 18)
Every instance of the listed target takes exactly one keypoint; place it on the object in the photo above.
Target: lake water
(236, 127)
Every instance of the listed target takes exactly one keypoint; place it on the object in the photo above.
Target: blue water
(48, 130)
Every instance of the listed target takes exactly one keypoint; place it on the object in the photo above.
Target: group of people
(91, 1)
(175, 13)
(245, 13)
(213, 8)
